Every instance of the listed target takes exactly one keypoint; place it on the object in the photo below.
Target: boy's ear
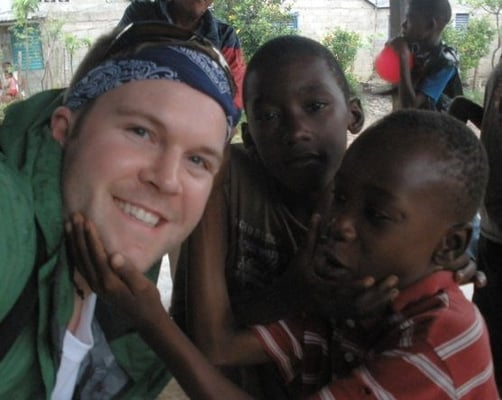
(246, 136)
(357, 115)
(60, 124)
(453, 245)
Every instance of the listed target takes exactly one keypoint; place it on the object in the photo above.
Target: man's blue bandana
(171, 62)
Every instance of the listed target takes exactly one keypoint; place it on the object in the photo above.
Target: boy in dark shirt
(433, 80)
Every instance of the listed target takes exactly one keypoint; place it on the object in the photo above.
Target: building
(62, 29)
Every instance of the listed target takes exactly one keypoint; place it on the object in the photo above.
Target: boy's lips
(333, 267)
(303, 158)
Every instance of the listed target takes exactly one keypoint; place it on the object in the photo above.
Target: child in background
(10, 86)
(489, 257)
(407, 215)
(434, 79)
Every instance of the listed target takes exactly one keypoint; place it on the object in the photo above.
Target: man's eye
(139, 131)
(198, 160)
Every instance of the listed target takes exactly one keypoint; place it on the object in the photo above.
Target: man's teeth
(139, 213)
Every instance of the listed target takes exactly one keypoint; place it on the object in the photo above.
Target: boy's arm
(209, 314)
(408, 98)
(466, 110)
(128, 290)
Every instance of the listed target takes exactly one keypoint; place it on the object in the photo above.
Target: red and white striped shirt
(434, 346)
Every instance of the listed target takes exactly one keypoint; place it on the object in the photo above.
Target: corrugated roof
(379, 3)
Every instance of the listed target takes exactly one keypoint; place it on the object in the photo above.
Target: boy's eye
(267, 115)
(339, 199)
(316, 106)
(377, 216)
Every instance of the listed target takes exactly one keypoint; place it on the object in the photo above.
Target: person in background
(10, 87)
(489, 256)
(195, 16)
(433, 80)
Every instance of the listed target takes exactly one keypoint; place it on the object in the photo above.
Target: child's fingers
(81, 259)
(376, 298)
(480, 279)
(131, 277)
(106, 277)
(466, 269)
(313, 235)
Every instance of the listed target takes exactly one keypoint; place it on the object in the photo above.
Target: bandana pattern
(175, 63)
(113, 74)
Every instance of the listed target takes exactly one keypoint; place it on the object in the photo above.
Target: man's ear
(357, 115)
(453, 245)
(60, 124)
(246, 136)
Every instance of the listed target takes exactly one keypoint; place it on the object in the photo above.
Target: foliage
(493, 7)
(472, 42)
(344, 46)
(255, 21)
(72, 43)
(22, 9)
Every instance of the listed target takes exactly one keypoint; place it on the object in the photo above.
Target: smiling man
(134, 144)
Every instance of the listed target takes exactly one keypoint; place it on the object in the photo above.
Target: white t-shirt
(75, 348)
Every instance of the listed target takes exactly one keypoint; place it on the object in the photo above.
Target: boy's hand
(339, 294)
(112, 278)
(335, 292)
(466, 271)
(400, 45)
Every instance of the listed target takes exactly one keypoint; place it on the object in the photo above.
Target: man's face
(142, 165)
(388, 215)
(298, 119)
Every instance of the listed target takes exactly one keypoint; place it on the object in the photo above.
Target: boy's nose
(298, 129)
(164, 172)
(342, 227)
(404, 25)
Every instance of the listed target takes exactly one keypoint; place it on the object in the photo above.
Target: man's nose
(164, 172)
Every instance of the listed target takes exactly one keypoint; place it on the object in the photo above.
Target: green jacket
(30, 168)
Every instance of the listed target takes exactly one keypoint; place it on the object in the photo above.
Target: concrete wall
(90, 18)
(318, 17)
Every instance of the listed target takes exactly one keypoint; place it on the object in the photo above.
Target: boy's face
(194, 8)
(389, 215)
(416, 27)
(298, 119)
(142, 165)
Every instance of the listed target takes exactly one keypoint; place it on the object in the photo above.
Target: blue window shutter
(30, 50)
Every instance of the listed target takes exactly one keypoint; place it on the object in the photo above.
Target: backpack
(427, 65)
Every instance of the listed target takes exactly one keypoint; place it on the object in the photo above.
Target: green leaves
(256, 21)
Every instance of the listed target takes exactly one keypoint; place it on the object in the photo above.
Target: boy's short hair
(462, 160)
(281, 50)
(438, 9)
